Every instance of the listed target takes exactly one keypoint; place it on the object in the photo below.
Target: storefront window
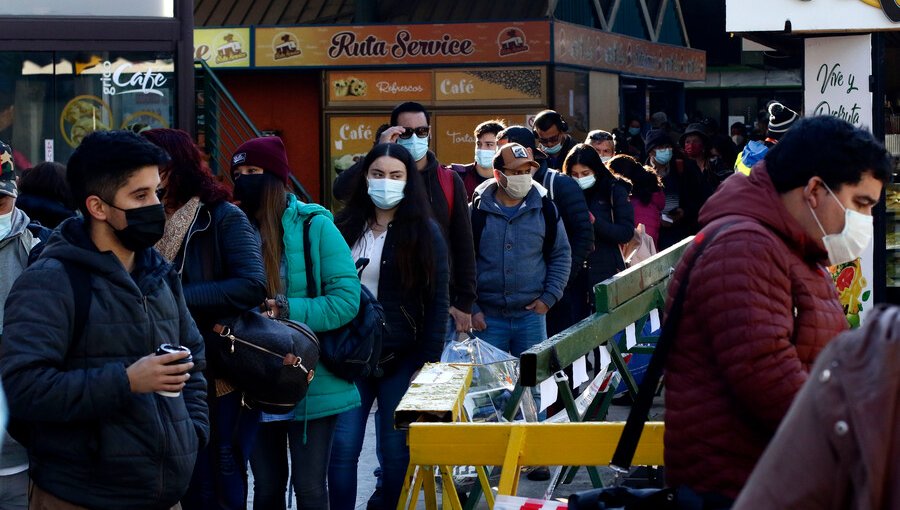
(148, 8)
(49, 101)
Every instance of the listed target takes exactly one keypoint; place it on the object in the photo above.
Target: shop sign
(454, 138)
(836, 78)
(223, 47)
(806, 16)
(518, 85)
(145, 82)
(595, 49)
(427, 44)
(350, 138)
(364, 86)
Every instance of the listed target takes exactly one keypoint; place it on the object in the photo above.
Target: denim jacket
(512, 271)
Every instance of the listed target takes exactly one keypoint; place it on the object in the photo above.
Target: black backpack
(548, 209)
(353, 350)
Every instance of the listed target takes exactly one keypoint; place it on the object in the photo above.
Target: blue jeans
(309, 462)
(220, 474)
(350, 433)
(516, 335)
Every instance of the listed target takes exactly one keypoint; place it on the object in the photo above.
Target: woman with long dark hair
(212, 245)
(647, 196)
(261, 171)
(387, 220)
(607, 198)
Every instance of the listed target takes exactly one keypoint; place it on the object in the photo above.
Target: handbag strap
(640, 410)
(312, 290)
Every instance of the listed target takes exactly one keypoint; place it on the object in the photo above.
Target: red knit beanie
(267, 153)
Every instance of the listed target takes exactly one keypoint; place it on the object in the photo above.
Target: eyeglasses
(421, 132)
(553, 140)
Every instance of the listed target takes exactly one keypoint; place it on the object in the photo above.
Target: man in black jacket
(569, 199)
(553, 132)
(81, 330)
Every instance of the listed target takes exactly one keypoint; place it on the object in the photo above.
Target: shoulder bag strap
(311, 289)
(624, 454)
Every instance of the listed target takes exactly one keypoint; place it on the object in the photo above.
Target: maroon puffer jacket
(759, 308)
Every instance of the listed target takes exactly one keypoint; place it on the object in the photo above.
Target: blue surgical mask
(484, 158)
(386, 193)
(586, 182)
(634, 131)
(553, 150)
(416, 146)
(5, 224)
(663, 156)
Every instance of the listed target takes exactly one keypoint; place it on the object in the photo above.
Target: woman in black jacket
(612, 214)
(388, 221)
(212, 245)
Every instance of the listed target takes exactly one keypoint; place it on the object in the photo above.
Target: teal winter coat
(335, 305)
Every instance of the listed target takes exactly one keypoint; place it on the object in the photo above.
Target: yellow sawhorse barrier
(512, 446)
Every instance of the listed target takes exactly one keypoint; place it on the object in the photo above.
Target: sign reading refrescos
(223, 47)
(369, 86)
(595, 49)
(405, 44)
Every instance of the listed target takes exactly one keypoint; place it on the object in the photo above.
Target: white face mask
(5, 224)
(484, 158)
(517, 186)
(605, 159)
(849, 244)
(586, 182)
(386, 193)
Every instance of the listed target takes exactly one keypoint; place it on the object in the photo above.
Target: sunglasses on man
(421, 132)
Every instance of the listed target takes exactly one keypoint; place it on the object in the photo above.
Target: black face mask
(145, 227)
(248, 191)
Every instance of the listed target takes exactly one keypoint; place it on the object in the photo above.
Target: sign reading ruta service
(432, 44)
(836, 81)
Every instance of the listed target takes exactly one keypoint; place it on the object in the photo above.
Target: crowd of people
(147, 247)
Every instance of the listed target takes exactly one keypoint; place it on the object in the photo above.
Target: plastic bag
(494, 376)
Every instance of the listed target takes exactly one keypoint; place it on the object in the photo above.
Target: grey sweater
(14, 249)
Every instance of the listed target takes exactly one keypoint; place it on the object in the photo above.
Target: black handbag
(353, 350)
(272, 361)
(670, 498)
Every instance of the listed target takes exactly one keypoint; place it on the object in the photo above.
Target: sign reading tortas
(457, 43)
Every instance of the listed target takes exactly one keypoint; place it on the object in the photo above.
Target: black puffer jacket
(92, 441)
(48, 212)
(416, 325)
(573, 211)
(606, 259)
(220, 264)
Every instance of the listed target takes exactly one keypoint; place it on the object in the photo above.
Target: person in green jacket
(260, 170)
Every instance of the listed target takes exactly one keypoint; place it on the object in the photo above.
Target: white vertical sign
(48, 149)
(836, 82)
(836, 78)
